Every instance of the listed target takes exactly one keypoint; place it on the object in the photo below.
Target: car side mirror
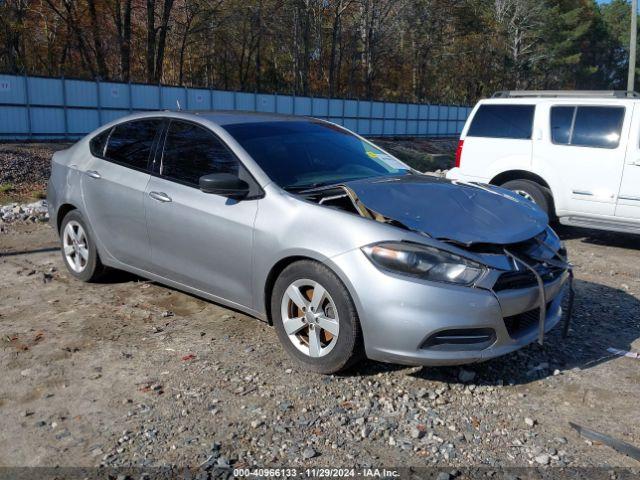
(224, 184)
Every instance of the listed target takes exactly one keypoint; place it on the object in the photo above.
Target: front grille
(525, 278)
(522, 323)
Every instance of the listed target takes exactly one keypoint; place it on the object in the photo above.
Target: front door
(584, 153)
(629, 196)
(198, 239)
(113, 188)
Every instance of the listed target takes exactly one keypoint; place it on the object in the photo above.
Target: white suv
(575, 154)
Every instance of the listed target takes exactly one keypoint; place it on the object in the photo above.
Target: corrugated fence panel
(44, 108)
(12, 89)
(79, 93)
(144, 97)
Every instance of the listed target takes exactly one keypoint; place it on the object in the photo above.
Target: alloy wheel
(310, 318)
(75, 246)
(525, 194)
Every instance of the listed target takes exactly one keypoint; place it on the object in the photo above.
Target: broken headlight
(423, 262)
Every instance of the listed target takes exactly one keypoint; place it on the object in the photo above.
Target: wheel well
(62, 212)
(518, 175)
(275, 272)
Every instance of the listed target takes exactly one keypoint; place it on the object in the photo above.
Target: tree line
(397, 50)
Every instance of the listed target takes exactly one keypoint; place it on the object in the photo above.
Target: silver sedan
(343, 248)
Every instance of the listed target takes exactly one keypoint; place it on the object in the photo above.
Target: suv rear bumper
(456, 174)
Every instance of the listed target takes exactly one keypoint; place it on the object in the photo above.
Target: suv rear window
(130, 143)
(502, 121)
(598, 127)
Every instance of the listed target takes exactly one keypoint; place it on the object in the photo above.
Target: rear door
(200, 239)
(113, 188)
(628, 206)
(498, 139)
(581, 154)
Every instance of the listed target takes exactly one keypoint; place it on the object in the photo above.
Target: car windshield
(299, 155)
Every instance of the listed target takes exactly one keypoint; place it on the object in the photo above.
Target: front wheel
(315, 318)
(78, 248)
(533, 192)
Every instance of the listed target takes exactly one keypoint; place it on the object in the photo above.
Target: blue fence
(57, 108)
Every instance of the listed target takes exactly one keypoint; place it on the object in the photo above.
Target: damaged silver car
(343, 248)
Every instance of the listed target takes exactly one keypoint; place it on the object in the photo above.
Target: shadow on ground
(599, 237)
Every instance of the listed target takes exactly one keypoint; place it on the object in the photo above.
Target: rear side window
(598, 127)
(502, 121)
(561, 124)
(98, 143)
(191, 151)
(130, 143)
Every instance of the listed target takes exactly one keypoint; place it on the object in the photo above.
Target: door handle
(160, 196)
(636, 163)
(93, 174)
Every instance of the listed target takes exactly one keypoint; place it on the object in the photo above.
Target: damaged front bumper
(415, 322)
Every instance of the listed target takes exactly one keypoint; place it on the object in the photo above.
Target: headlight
(424, 262)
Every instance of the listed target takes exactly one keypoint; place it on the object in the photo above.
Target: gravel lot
(131, 373)
(104, 374)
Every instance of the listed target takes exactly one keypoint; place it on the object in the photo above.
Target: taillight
(459, 153)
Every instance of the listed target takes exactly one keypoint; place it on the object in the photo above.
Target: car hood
(464, 213)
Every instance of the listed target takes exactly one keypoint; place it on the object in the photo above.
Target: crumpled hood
(461, 212)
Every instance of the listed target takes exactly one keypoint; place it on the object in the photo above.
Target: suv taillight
(459, 153)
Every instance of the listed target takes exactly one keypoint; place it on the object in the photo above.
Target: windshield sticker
(372, 154)
(392, 162)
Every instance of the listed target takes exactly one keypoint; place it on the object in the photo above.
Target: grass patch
(6, 187)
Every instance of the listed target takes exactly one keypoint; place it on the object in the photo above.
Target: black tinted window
(598, 126)
(131, 142)
(561, 122)
(191, 151)
(502, 121)
(97, 143)
(592, 127)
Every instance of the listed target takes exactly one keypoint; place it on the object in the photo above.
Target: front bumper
(400, 316)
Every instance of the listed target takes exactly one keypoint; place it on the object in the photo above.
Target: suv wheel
(78, 249)
(315, 318)
(533, 192)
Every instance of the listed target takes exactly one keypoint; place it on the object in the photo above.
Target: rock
(256, 423)
(543, 459)
(466, 375)
(417, 433)
(529, 421)
(308, 453)
(443, 476)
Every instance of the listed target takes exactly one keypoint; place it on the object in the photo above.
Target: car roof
(230, 117)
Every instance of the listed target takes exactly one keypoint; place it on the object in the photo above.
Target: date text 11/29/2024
(315, 472)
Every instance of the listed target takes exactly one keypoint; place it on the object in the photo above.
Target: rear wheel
(78, 248)
(533, 192)
(315, 318)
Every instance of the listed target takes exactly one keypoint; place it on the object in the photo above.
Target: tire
(89, 268)
(335, 352)
(540, 195)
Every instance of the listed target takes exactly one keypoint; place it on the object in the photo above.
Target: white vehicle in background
(575, 153)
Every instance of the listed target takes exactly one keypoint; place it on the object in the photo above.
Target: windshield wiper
(312, 187)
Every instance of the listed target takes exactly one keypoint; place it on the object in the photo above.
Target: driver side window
(192, 151)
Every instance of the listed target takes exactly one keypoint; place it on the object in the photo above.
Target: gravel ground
(131, 373)
(24, 169)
